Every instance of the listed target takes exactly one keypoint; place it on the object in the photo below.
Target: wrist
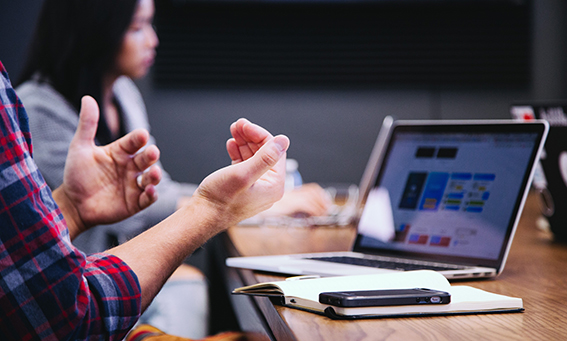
(213, 215)
(70, 212)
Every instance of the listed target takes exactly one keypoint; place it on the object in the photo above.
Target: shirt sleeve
(49, 289)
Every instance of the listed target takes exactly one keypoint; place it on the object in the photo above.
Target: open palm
(101, 182)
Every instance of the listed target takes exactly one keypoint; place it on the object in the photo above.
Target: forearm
(156, 253)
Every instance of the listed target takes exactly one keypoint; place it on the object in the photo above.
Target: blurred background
(326, 72)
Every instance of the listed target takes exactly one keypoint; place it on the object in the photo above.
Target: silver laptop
(439, 195)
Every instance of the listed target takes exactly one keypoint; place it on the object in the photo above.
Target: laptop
(449, 195)
(550, 179)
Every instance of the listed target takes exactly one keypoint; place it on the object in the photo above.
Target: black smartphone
(370, 298)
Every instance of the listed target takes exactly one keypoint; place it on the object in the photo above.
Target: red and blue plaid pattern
(49, 290)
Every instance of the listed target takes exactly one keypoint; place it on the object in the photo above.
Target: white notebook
(304, 294)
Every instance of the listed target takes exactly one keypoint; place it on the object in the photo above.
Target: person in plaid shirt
(49, 290)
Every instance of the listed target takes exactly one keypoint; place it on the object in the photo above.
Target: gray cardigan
(53, 121)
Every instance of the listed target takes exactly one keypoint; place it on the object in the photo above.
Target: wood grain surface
(536, 271)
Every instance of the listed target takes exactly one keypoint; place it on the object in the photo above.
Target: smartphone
(370, 298)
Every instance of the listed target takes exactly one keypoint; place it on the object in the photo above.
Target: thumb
(88, 120)
(266, 158)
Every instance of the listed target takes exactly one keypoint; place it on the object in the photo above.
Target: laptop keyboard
(384, 264)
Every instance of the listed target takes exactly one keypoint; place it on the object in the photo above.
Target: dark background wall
(332, 124)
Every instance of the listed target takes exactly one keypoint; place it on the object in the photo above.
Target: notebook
(438, 195)
(550, 179)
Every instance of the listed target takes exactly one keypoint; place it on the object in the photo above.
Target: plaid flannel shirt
(49, 290)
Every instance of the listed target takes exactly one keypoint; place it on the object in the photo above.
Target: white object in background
(377, 220)
(292, 176)
(563, 165)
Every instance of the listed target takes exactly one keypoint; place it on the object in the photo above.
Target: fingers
(88, 120)
(271, 155)
(147, 157)
(148, 197)
(247, 138)
(251, 132)
(147, 182)
(233, 151)
(88, 123)
(133, 141)
(152, 177)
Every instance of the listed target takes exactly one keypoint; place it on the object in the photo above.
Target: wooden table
(536, 271)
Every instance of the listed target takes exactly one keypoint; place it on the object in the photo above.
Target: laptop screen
(453, 191)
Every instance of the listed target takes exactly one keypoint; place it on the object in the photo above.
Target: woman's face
(137, 52)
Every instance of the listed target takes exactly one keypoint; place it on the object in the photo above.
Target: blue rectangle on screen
(484, 176)
(461, 176)
(412, 190)
(474, 209)
(456, 195)
(434, 189)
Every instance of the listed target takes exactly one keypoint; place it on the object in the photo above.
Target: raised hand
(106, 184)
(254, 181)
(309, 199)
